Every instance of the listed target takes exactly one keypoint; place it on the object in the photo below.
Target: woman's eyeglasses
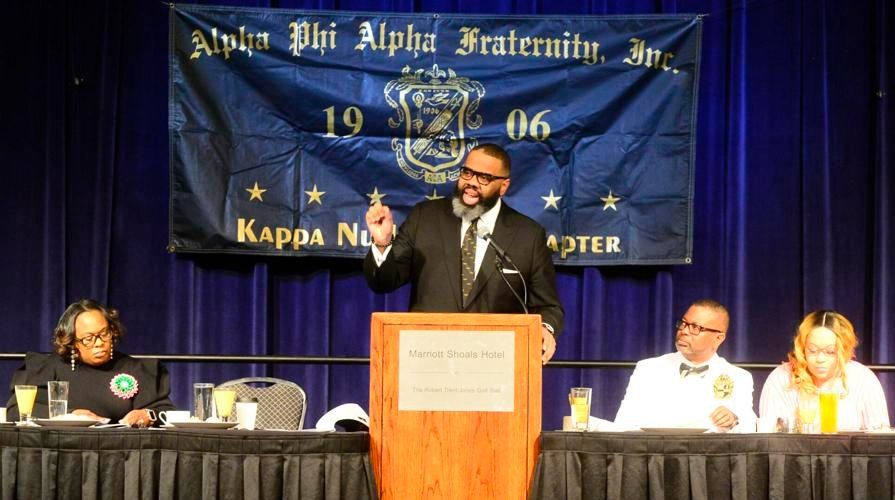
(90, 340)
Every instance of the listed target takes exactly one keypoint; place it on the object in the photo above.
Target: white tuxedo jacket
(658, 396)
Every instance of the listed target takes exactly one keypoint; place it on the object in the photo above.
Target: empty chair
(281, 403)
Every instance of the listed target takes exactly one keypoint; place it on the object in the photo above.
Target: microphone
(497, 249)
(502, 257)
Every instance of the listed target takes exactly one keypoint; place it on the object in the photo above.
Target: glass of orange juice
(829, 411)
(25, 396)
(808, 403)
(224, 397)
(579, 399)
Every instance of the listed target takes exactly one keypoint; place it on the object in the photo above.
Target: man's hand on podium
(548, 345)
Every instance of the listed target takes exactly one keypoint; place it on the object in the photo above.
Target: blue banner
(285, 125)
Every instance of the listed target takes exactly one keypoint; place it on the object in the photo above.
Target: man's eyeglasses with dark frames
(483, 178)
(693, 328)
(90, 340)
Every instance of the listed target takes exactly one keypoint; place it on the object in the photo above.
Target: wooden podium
(454, 454)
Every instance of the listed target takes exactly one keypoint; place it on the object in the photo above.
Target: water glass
(785, 425)
(579, 400)
(57, 394)
(203, 401)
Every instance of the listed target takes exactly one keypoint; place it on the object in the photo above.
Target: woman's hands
(139, 418)
(88, 414)
(134, 418)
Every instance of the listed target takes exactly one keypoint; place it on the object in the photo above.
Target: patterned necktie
(467, 260)
(692, 370)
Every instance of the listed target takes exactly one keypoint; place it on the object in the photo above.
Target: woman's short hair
(846, 341)
(64, 334)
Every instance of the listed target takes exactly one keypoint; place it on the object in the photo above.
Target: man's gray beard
(466, 212)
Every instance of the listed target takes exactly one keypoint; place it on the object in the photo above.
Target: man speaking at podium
(470, 253)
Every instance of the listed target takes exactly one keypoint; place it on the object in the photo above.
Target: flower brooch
(124, 386)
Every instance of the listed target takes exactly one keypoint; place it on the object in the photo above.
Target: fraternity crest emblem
(723, 386)
(435, 109)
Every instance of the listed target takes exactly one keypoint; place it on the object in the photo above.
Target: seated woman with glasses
(821, 359)
(103, 383)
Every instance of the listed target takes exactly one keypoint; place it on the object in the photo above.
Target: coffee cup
(2, 414)
(568, 424)
(246, 411)
(170, 417)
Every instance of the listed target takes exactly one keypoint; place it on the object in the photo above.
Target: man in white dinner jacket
(693, 387)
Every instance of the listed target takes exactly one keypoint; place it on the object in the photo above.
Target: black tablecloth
(714, 466)
(189, 464)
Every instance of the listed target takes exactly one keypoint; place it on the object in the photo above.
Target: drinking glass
(808, 403)
(203, 401)
(224, 397)
(829, 411)
(57, 395)
(579, 399)
(25, 396)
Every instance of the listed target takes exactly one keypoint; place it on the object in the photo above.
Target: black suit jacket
(426, 253)
(89, 386)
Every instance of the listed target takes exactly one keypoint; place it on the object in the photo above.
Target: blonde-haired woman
(821, 358)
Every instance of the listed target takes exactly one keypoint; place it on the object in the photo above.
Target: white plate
(674, 430)
(62, 422)
(203, 425)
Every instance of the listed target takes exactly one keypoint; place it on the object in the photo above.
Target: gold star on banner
(376, 196)
(551, 200)
(434, 195)
(256, 192)
(609, 201)
(315, 195)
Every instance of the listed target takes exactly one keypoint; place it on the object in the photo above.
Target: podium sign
(455, 371)
(455, 404)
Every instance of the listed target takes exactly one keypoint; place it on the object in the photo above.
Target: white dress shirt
(658, 396)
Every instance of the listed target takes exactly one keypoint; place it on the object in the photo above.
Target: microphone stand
(498, 262)
(500, 268)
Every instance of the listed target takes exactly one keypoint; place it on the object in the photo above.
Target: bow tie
(692, 370)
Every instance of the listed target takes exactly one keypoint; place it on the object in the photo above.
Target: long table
(189, 464)
(637, 465)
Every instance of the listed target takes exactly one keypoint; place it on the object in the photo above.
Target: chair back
(281, 403)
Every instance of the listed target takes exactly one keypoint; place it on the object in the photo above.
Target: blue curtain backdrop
(793, 201)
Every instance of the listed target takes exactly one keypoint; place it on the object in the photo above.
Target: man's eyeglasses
(90, 340)
(484, 179)
(692, 328)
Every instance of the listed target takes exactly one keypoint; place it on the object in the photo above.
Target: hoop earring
(72, 359)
